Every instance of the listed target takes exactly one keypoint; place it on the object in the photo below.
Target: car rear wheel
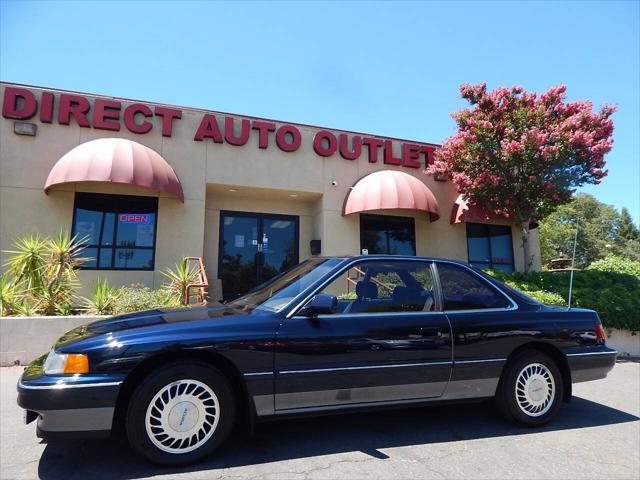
(180, 413)
(531, 389)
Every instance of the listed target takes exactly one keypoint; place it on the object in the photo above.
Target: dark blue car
(331, 334)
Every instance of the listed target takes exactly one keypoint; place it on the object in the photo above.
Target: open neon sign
(136, 218)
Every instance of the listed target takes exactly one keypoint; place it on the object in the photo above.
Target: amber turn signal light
(76, 363)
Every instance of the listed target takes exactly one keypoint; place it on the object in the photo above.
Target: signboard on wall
(108, 114)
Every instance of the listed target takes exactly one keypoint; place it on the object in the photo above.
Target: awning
(391, 189)
(464, 211)
(115, 160)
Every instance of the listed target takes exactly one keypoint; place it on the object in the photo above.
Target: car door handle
(431, 331)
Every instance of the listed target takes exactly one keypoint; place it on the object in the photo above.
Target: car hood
(147, 318)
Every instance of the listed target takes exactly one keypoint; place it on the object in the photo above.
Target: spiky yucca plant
(63, 257)
(103, 299)
(181, 277)
(10, 295)
(27, 261)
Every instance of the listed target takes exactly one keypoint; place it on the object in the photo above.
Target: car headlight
(65, 363)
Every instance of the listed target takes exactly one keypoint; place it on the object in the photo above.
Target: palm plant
(60, 276)
(27, 307)
(181, 277)
(28, 261)
(103, 300)
(10, 294)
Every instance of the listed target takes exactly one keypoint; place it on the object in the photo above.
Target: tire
(531, 389)
(180, 413)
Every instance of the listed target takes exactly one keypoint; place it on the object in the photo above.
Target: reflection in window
(119, 231)
(387, 235)
(490, 246)
(463, 290)
(381, 286)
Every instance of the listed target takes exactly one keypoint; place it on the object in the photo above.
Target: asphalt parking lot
(596, 436)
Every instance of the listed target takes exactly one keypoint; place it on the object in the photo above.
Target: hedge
(614, 295)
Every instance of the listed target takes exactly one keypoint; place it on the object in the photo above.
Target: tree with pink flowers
(519, 155)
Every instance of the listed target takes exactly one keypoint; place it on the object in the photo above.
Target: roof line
(220, 113)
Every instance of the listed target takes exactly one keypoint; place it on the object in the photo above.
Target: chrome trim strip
(614, 352)
(62, 385)
(376, 314)
(343, 406)
(365, 367)
(257, 374)
(342, 399)
(480, 361)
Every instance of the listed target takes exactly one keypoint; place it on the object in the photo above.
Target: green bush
(614, 295)
(548, 298)
(138, 297)
(617, 264)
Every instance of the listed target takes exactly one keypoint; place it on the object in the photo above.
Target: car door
(388, 341)
(487, 327)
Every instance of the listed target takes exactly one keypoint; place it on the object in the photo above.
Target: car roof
(378, 256)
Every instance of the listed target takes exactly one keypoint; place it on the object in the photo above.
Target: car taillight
(601, 336)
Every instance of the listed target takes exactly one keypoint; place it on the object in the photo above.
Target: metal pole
(573, 262)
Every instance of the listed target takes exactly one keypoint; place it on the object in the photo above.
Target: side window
(462, 290)
(373, 287)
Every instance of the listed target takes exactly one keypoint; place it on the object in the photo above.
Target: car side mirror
(321, 304)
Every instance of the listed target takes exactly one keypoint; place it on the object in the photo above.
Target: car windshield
(276, 293)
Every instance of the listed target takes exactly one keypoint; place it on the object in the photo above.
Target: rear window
(517, 294)
(462, 290)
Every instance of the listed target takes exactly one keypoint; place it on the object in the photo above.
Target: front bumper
(590, 363)
(69, 405)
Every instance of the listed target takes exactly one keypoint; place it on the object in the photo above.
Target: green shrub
(617, 264)
(614, 295)
(548, 298)
(138, 297)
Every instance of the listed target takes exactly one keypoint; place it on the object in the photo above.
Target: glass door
(279, 245)
(254, 248)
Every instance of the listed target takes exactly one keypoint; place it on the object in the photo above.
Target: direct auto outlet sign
(22, 104)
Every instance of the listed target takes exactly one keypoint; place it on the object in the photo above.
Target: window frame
(487, 227)
(385, 219)
(293, 313)
(117, 200)
(513, 305)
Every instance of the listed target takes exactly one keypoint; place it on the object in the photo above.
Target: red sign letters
(22, 104)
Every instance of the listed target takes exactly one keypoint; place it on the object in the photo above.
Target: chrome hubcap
(535, 389)
(182, 416)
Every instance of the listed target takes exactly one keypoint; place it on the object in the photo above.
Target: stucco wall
(267, 180)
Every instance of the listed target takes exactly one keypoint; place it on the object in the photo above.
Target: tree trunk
(526, 246)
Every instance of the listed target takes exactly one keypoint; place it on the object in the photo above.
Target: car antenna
(573, 262)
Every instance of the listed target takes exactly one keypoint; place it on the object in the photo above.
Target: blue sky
(384, 68)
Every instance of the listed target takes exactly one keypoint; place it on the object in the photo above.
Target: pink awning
(463, 211)
(391, 189)
(115, 160)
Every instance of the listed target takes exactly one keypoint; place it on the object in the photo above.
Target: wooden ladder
(199, 289)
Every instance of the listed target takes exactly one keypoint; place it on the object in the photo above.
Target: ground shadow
(301, 438)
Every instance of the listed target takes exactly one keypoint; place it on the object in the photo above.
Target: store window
(490, 246)
(119, 231)
(387, 235)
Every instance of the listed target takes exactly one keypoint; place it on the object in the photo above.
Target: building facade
(146, 184)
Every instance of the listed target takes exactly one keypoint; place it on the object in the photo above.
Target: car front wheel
(180, 413)
(531, 389)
